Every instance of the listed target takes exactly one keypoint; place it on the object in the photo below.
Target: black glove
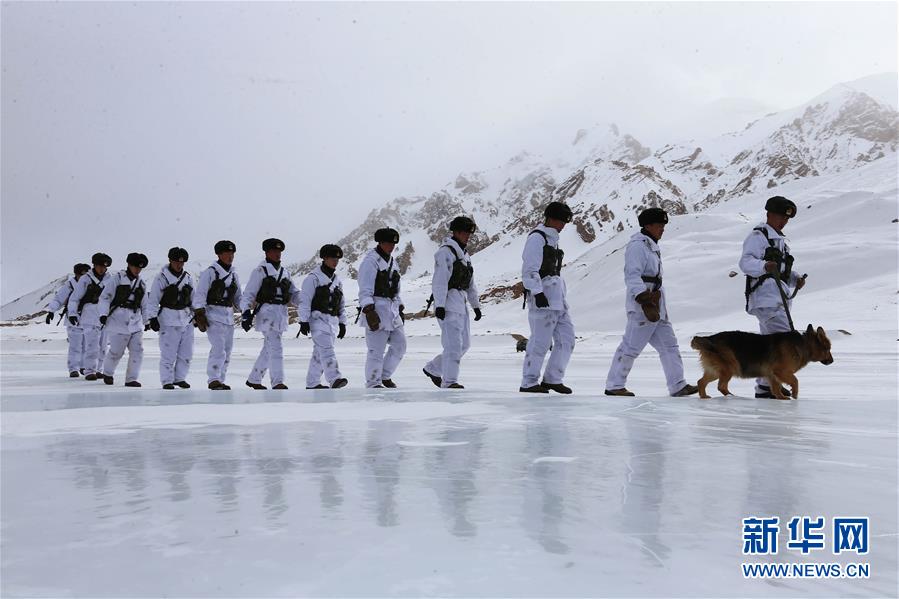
(154, 324)
(477, 314)
(73, 320)
(49, 318)
(541, 301)
(146, 327)
(341, 331)
(402, 315)
(246, 322)
(304, 328)
(103, 321)
(440, 313)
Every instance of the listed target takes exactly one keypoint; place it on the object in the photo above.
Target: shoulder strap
(453, 250)
(541, 234)
(764, 231)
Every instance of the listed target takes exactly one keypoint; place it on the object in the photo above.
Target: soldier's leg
(104, 347)
(375, 342)
(135, 356)
(323, 335)
(185, 352)
(563, 346)
(76, 345)
(229, 345)
(636, 335)
(542, 324)
(455, 343)
(396, 349)
(276, 357)
(215, 365)
(665, 342)
(168, 352)
(315, 371)
(435, 366)
(92, 357)
(771, 320)
(117, 344)
(261, 365)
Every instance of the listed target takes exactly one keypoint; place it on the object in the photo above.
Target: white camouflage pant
(771, 320)
(660, 335)
(221, 340)
(271, 358)
(76, 359)
(455, 337)
(324, 358)
(176, 349)
(117, 344)
(95, 346)
(379, 366)
(548, 327)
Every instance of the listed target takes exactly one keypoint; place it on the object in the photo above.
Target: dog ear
(810, 329)
(820, 332)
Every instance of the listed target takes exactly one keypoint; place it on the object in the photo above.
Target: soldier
(216, 297)
(452, 290)
(123, 310)
(768, 266)
(547, 307)
(270, 289)
(647, 315)
(74, 333)
(322, 313)
(171, 312)
(82, 309)
(382, 307)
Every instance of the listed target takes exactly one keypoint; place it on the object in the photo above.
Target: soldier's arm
(106, 295)
(307, 290)
(368, 270)
(145, 308)
(531, 259)
(443, 268)
(294, 293)
(76, 296)
(752, 260)
(202, 290)
(341, 314)
(155, 296)
(472, 292)
(634, 266)
(250, 291)
(59, 298)
(238, 295)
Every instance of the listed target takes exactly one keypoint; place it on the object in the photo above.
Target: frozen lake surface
(108, 491)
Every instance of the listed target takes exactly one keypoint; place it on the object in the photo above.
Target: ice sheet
(417, 491)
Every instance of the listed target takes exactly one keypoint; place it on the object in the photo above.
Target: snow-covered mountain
(607, 176)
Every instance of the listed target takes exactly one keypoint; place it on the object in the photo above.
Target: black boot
(533, 389)
(557, 387)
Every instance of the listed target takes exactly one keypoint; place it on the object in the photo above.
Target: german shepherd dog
(747, 355)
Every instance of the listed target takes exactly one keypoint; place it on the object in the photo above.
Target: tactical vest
(91, 294)
(128, 297)
(772, 254)
(174, 298)
(462, 272)
(268, 290)
(326, 301)
(551, 266)
(387, 282)
(218, 294)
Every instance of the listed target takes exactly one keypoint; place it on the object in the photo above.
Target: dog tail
(700, 343)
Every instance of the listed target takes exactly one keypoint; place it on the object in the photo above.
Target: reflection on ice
(408, 494)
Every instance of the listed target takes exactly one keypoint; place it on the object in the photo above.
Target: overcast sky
(141, 126)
